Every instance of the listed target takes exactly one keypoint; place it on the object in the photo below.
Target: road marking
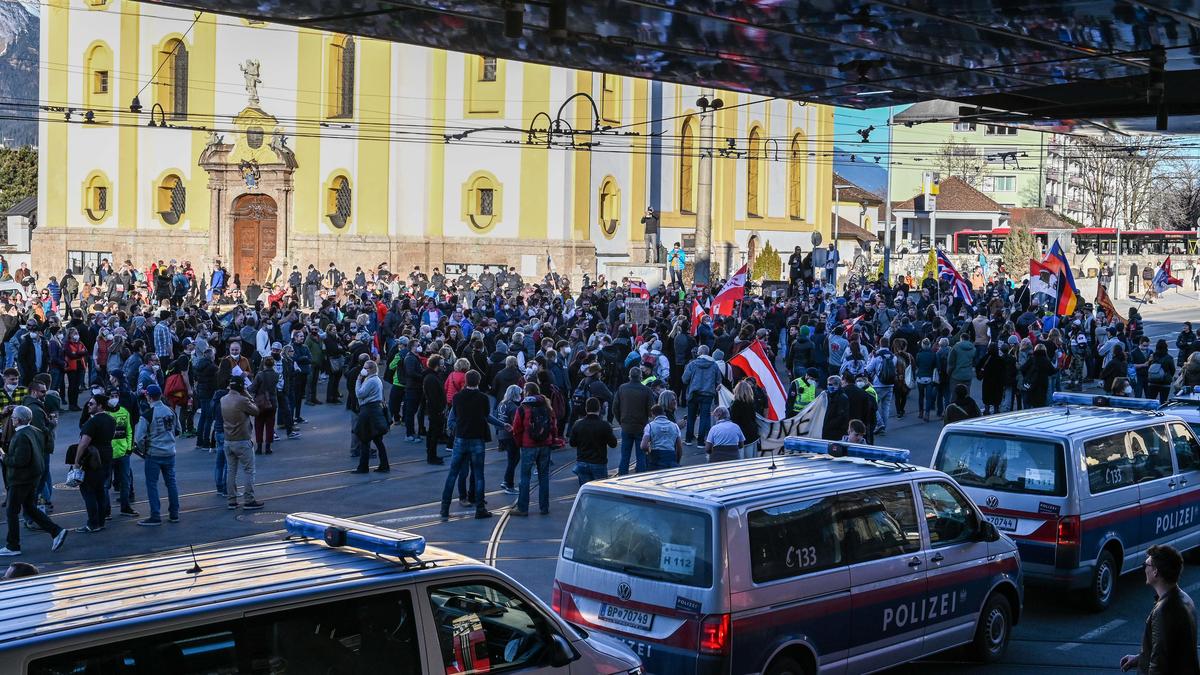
(1091, 635)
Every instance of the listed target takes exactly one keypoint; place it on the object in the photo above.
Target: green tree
(1019, 248)
(18, 175)
(767, 265)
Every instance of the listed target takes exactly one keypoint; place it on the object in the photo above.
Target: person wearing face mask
(837, 410)
(33, 354)
(234, 364)
(13, 392)
(122, 470)
(75, 357)
(862, 403)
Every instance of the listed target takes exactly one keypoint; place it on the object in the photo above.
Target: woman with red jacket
(535, 431)
(75, 355)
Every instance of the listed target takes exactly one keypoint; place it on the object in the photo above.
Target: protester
(725, 439)
(1169, 638)
(237, 412)
(592, 437)
(24, 464)
(631, 408)
(156, 433)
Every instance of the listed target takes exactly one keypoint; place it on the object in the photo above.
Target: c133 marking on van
(914, 612)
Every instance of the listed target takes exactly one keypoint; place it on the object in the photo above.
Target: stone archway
(254, 234)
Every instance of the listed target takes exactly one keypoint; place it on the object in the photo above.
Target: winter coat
(961, 361)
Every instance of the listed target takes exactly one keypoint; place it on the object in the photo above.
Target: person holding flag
(1068, 294)
(1162, 280)
(959, 287)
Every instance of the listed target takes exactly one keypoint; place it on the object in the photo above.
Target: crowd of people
(151, 356)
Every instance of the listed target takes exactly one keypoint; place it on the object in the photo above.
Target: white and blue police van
(337, 596)
(837, 559)
(1186, 404)
(1084, 486)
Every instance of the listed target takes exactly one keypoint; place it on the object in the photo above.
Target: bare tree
(957, 158)
(1118, 177)
(1177, 205)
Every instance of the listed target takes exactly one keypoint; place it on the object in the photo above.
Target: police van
(799, 563)
(1084, 486)
(1186, 404)
(337, 597)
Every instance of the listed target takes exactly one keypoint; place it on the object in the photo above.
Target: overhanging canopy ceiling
(1054, 59)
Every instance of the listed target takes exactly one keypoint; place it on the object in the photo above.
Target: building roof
(849, 230)
(1039, 219)
(854, 193)
(925, 111)
(26, 207)
(955, 195)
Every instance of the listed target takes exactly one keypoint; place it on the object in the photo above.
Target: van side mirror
(988, 531)
(561, 651)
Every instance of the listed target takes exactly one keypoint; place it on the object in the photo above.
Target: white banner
(807, 423)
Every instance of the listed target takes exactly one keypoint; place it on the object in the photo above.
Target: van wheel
(1099, 594)
(993, 630)
(786, 665)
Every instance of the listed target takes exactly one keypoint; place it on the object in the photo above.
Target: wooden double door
(254, 232)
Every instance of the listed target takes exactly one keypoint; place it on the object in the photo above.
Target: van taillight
(1068, 531)
(714, 634)
(556, 599)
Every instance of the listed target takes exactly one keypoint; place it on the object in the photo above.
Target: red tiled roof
(955, 195)
(854, 193)
(1039, 219)
(848, 230)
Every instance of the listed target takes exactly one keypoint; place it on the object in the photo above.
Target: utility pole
(703, 267)
(889, 234)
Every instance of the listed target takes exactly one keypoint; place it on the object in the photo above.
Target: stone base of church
(50, 247)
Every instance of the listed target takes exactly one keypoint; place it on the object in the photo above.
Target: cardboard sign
(638, 310)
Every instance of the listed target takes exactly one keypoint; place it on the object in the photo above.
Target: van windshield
(641, 538)
(1005, 463)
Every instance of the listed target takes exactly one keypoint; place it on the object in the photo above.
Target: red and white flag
(753, 361)
(638, 289)
(697, 314)
(731, 292)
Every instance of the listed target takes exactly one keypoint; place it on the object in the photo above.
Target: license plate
(1004, 523)
(623, 616)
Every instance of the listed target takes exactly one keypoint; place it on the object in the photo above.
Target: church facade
(170, 134)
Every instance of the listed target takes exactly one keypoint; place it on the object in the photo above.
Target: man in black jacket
(414, 378)
(471, 434)
(434, 394)
(592, 437)
(33, 354)
(631, 408)
(862, 405)
(1169, 639)
(837, 411)
(24, 465)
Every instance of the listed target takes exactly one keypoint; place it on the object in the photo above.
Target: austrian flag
(754, 362)
(697, 314)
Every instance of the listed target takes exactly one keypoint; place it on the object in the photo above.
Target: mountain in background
(18, 74)
(865, 174)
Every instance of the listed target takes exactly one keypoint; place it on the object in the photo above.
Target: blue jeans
(204, 432)
(586, 471)
(467, 457)
(662, 459)
(539, 456)
(885, 407)
(219, 467)
(699, 405)
(512, 457)
(164, 466)
(927, 395)
(122, 476)
(631, 443)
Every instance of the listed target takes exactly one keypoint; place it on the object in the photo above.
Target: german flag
(1068, 293)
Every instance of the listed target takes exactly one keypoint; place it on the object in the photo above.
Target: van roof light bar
(874, 453)
(1103, 401)
(342, 532)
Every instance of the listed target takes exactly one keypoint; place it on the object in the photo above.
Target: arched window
(482, 202)
(98, 85)
(338, 202)
(95, 197)
(172, 199)
(340, 77)
(797, 177)
(610, 207)
(172, 79)
(688, 151)
(753, 158)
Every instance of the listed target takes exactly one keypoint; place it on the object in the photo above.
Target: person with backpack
(1160, 372)
(533, 428)
(882, 371)
(591, 385)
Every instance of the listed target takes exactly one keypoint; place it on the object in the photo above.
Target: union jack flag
(958, 284)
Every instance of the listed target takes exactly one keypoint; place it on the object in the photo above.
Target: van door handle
(1171, 484)
(914, 561)
(937, 558)
(1183, 481)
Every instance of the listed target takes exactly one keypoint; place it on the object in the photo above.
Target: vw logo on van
(624, 591)
(993, 501)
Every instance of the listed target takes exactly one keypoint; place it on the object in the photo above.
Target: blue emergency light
(875, 453)
(339, 532)
(1103, 401)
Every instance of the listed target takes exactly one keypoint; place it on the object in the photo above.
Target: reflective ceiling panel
(1051, 58)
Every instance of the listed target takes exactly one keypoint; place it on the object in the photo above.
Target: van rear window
(641, 538)
(1005, 463)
